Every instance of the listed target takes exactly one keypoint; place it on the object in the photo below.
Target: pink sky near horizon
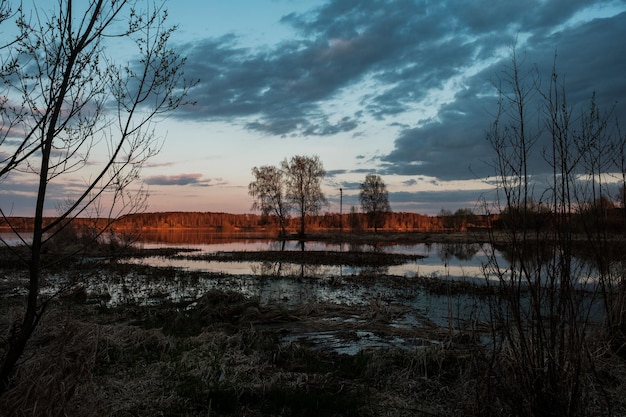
(405, 92)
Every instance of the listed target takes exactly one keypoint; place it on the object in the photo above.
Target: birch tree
(268, 190)
(374, 199)
(303, 176)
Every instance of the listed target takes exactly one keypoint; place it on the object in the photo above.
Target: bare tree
(619, 161)
(68, 108)
(268, 189)
(375, 199)
(303, 176)
(539, 358)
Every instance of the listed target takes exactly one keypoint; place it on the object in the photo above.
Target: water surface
(455, 261)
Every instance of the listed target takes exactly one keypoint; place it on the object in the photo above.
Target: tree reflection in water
(461, 251)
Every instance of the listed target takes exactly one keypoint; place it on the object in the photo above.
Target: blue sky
(403, 89)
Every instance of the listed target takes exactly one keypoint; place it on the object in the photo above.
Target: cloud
(409, 52)
(432, 201)
(450, 147)
(178, 180)
(151, 164)
(335, 172)
(282, 88)
(406, 49)
(18, 194)
(453, 145)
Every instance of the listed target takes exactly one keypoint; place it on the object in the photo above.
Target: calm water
(442, 260)
(337, 284)
(453, 261)
(292, 284)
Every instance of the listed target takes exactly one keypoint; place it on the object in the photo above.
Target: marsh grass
(221, 356)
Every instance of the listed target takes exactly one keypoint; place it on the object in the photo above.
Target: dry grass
(56, 376)
(84, 361)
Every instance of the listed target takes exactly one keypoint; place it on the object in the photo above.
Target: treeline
(611, 220)
(23, 224)
(190, 220)
(225, 222)
(588, 219)
(228, 222)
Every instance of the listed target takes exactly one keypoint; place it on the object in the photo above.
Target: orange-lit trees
(295, 185)
(374, 199)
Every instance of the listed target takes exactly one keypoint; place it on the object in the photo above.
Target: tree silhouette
(374, 200)
(303, 177)
(542, 366)
(268, 191)
(68, 108)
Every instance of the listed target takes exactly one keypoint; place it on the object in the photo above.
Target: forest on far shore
(613, 220)
(228, 222)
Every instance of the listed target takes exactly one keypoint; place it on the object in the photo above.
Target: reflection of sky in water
(147, 290)
(435, 262)
(293, 284)
(441, 260)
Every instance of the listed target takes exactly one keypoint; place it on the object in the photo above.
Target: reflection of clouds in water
(422, 267)
(460, 251)
(295, 283)
(284, 269)
(158, 287)
(463, 260)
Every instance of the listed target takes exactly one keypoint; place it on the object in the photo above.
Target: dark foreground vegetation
(222, 357)
(225, 354)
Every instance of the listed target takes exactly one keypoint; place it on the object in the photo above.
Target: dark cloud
(454, 145)
(282, 87)
(351, 185)
(589, 59)
(10, 142)
(405, 50)
(18, 194)
(285, 87)
(450, 147)
(334, 172)
(449, 200)
(178, 180)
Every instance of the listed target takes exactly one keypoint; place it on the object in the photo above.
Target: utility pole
(341, 209)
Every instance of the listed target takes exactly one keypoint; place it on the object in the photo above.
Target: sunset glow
(404, 90)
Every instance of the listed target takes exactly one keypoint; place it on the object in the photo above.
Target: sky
(402, 89)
